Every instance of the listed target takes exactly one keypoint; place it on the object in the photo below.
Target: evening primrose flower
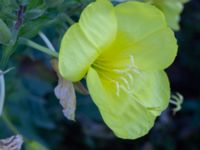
(172, 10)
(122, 51)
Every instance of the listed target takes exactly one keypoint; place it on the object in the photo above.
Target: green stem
(2, 91)
(9, 124)
(46, 41)
(7, 52)
(38, 47)
(68, 19)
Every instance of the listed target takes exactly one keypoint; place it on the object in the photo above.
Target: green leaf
(5, 34)
(29, 32)
(34, 3)
(53, 3)
(34, 13)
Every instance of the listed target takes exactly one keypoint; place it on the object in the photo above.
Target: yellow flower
(172, 10)
(122, 51)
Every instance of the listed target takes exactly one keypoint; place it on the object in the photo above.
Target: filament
(123, 76)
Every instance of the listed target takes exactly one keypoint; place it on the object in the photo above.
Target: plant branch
(68, 19)
(46, 41)
(38, 47)
(9, 124)
(2, 91)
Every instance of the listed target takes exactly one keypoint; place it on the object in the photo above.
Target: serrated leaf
(11, 143)
(65, 92)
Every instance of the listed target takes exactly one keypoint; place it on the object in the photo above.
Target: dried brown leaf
(65, 92)
(79, 87)
(11, 143)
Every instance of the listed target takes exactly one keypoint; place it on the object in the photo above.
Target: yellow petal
(76, 54)
(152, 90)
(83, 42)
(137, 20)
(99, 23)
(172, 10)
(156, 51)
(143, 34)
(127, 114)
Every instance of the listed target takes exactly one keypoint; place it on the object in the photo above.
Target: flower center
(121, 77)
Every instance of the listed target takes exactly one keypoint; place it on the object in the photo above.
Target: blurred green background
(36, 113)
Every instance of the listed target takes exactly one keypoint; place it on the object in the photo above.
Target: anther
(130, 77)
(117, 88)
(132, 60)
(125, 81)
(125, 89)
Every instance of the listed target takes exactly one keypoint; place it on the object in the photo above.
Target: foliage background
(33, 109)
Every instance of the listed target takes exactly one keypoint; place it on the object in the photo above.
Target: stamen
(128, 71)
(123, 77)
(101, 67)
(118, 88)
(132, 60)
(125, 81)
(125, 89)
(121, 71)
(133, 66)
(134, 70)
(130, 77)
(176, 100)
